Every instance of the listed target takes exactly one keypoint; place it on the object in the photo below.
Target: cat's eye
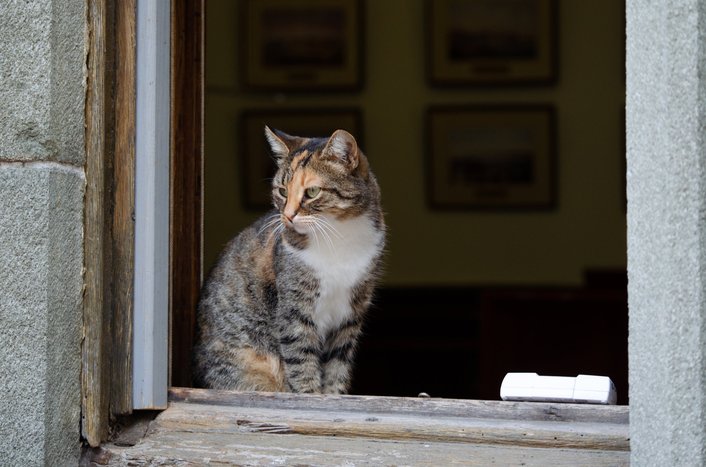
(283, 192)
(312, 192)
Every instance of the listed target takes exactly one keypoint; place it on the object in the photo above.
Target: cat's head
(320, 177)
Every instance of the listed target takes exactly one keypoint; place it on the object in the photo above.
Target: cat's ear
(280, 143)
(342, 148)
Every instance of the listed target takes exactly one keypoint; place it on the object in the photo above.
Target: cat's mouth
(314, 225)
(297, 224)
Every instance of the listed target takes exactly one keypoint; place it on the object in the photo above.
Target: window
(187, 179)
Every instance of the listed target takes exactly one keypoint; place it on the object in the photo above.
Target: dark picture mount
(258, 166)
(491, 42)
(491, 157)
(308, 45)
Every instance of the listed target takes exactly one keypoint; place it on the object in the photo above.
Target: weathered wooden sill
(203, 427)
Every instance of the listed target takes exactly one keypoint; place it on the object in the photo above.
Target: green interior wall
(586, 230)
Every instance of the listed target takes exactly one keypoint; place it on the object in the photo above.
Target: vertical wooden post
(188, 30)
(95, 374)
(124, 208)
(109, 216)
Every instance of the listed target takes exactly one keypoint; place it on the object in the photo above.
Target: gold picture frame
(308, 45)
(257, 164)
(491, 157)
(491, 42)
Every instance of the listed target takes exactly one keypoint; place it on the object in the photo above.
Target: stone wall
(42, 93)
(666, 181)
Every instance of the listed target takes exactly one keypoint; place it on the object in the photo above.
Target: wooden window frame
(187, 175)
(109, 245)
(109, 276)
(150, 353)
(109, 224)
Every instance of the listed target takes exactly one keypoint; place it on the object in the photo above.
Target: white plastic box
(582, 389)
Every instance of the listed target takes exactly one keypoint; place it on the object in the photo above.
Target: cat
(282, 308)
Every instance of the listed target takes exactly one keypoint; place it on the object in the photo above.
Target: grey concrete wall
(666, 183)
(41, 96)
(40, 311)
(42, 89)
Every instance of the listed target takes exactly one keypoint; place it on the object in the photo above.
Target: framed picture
(257, 164)
(491, 41)
(491, 157)
(302, 46)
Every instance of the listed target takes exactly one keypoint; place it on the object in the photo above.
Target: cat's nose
(289, 216)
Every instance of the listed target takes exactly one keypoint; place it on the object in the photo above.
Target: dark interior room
(496, 133)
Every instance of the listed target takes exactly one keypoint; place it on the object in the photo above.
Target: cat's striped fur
(283, 307)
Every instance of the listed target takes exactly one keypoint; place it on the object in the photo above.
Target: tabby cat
(282, 308)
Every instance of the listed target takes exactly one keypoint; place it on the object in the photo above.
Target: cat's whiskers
(307, 221)
(327, 224)
(316, 237)
(272, 220)
(326, 236)
(321, 227)
(325, 230)
(279, 229)
(316, 227)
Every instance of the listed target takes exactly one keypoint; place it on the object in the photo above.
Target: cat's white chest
(340, 262)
